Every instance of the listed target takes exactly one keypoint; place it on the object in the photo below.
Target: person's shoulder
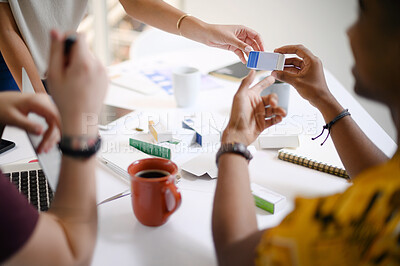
(384, 174)
(335, 218)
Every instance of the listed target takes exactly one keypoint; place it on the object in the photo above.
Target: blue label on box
(253, 59)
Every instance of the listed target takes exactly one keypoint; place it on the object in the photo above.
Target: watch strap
(237, 148)
(79, 147)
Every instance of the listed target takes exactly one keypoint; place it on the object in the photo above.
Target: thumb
(284, 76)
(246, 82)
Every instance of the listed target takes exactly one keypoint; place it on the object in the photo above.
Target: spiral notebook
(312, 155)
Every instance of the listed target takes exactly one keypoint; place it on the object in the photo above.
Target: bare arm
(236, 38)
(355, 149)
(155, 13)
(161, 15)
(234, 222)
(66, 235)
(14, 50)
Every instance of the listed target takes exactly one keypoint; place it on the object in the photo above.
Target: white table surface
(186, 238)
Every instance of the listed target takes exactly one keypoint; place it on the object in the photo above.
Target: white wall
(318, 24)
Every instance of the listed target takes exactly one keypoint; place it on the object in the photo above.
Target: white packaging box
(205, 135)
(267, 141)
(267, 200)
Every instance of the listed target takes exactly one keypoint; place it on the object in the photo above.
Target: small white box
(278, 141)
(159, 132)
(205, 135)
(267, 200)
(266, 61)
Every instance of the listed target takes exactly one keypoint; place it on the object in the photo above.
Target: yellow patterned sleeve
(361, 225)
(283, 245)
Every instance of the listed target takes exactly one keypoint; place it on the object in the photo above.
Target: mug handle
(177, 195)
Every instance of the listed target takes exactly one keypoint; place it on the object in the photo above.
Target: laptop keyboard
(34, 186)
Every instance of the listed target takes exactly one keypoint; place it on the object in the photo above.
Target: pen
(118, 196)
(69, 41)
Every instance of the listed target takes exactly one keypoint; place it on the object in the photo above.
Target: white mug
(281, 89)
(186, 84)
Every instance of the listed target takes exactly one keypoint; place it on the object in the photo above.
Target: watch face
(242, 148)
(238, 148)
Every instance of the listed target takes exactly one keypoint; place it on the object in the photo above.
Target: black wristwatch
(238, 148)
(79, 146)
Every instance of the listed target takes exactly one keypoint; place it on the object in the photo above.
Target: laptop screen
(50, 161)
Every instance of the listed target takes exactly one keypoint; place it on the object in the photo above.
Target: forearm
(74, 206)
(356, 150)
(234, 217)
(17, 56)
(75, 200)
(161, 15)
(15, 52)
(67, 232)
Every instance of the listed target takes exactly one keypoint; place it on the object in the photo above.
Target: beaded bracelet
(329, 125)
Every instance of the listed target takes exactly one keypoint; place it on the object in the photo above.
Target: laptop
(30, 180)
(36, 180)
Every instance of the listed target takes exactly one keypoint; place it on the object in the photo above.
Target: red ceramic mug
(154, 194)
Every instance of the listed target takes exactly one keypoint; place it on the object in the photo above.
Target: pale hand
(14, 110)
(249, 115)
(236, 38)
(78, 88)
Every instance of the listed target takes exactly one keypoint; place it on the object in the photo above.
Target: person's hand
(305, 74)
(77, 84)
(238, 39)
(251, 113)
(14, 110)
